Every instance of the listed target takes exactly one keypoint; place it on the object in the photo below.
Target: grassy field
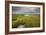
(29, 20)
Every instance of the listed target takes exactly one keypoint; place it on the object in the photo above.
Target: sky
(25, 10)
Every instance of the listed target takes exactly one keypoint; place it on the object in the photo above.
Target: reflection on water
(20, 26)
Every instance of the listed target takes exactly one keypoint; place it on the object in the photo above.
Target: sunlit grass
(29, 20)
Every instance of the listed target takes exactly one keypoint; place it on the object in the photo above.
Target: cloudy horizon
(26, 10)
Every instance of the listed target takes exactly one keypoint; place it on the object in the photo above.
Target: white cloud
(27, 9)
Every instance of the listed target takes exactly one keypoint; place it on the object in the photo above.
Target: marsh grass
(32, 20)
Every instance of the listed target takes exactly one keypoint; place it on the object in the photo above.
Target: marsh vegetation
(27, 20)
